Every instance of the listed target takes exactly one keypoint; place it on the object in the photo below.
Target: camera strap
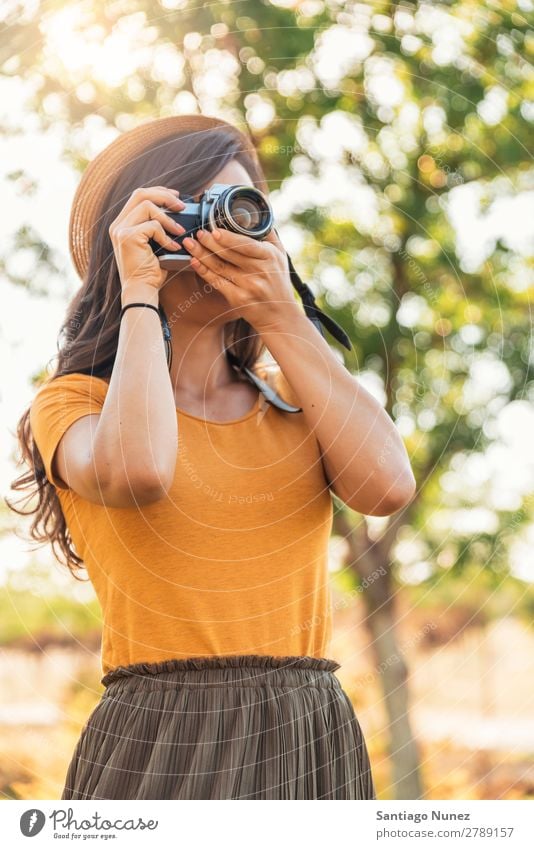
(316, 315)
(268, 391)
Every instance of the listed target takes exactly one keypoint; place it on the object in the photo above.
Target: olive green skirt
(222, 727)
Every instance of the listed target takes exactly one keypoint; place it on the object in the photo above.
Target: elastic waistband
(216, 670)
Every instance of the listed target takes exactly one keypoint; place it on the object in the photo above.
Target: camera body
(241, 209)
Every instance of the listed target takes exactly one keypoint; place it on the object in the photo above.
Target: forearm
(137, 436)
(364, 457)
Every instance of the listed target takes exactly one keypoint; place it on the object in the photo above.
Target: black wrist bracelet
(164, 324)
(152, 307)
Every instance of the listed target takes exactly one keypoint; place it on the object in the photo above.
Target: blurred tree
(382, 120)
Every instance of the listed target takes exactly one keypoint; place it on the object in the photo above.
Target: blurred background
(397, 141)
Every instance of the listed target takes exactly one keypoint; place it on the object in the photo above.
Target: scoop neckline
(242, 418)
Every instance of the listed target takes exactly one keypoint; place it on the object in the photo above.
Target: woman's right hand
(139, 220)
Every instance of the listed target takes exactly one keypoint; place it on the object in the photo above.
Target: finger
(147, 210)
(226, 269)
(245, 245)
(147, 230)
(208, 241)
(223, 284)
(157, 194)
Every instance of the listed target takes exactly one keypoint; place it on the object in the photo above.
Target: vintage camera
(241, 209)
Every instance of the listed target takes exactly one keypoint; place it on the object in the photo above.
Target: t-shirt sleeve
(59, 403)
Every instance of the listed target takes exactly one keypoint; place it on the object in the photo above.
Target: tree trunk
(371, 563)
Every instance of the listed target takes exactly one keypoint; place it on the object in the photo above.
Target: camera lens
(246, 213)
(244, 210)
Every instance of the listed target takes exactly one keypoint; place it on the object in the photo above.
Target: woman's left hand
(252, 275)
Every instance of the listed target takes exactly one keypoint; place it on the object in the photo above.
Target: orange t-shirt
(233, 560)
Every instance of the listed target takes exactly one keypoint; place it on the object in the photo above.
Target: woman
(200, 506)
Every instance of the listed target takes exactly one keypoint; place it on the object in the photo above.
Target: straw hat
(104, 168)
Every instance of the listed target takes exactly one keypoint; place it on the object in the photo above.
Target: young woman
(199, 505)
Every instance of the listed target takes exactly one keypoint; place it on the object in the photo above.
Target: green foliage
(34, 619)
(428, 98)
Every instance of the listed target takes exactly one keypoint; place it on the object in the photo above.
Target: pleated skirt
(222, 727)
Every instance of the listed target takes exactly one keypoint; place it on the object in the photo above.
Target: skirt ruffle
(221, 662)
(222, 727)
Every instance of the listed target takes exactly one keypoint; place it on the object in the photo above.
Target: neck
(199, 365)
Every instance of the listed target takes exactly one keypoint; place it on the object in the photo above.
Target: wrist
(282, 320)
(139, 293)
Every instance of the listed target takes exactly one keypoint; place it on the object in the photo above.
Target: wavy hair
(88, 336)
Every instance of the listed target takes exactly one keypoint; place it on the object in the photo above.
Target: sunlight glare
(80, 46)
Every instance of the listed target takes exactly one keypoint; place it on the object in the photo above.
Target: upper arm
(287, 392)
(73, 463)
(70, 464)
(64, 417)
(329, 475)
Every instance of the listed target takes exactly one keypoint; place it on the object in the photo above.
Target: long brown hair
(88, 336)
